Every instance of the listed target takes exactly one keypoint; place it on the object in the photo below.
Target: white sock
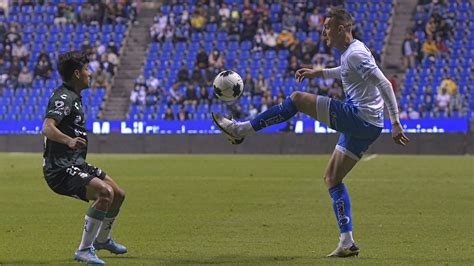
(91, 228)
(104, 232)
(245, 128)
(346, 239)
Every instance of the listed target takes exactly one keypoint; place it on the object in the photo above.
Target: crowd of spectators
(19, 69)
(426, 43)
(253, 24)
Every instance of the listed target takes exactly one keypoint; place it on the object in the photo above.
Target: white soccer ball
(228, 86)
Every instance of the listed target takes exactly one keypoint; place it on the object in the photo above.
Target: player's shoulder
(357, 49)
(63, 93)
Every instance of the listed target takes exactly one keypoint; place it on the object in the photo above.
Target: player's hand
(75, 143)
(303, 73)
(398, 136)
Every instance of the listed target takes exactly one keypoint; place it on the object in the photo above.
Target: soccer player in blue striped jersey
(359, 118)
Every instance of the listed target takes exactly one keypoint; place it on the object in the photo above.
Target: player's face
(84, 76)
(332, 33)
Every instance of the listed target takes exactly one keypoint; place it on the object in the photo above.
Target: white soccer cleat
(345, 251)
(228, 127)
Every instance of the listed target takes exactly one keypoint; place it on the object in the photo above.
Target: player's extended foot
(88, 256)
(228, 127)
(345, 251)
(111, 246)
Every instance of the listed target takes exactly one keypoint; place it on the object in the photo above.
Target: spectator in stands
(249, 84)
(430, 27)
(181, 33)
(110, 14)
(202, 58)
(442, 101)
(236, 110)
(261, 85)
(234, 13)
(198, 21)
(307, 61)
(440, 45)
(175, 95)
(138, 95)
(402, 113)
(3, 73)
(448, 84)
(429, 48)
(3, 31)
(59, 17)
(444, 30)
(412, 112)
(168, 115)
(315, 20)
(224, 16)
(302, 21)
(233, 31)
(309, 47)
(158, 28)
(212, 15)
(269, 39)
(408, 51)
(71, 15)
(247, 11)
(13, 33)
(295, 49)
(182, 114)
(204, 97)
(183, 74)
(110, 61)
(20, 51)
(289, 20)
(249, 29)
(197, 77)
(394, 81)
(285, 39)
(292, 67)
(252, 112)
(14, 71)
(456, 103)
(100, 80)
(418, 48)
(190, 97)
(319, 64)
(121, 14)
(87, 13)
(25, 78)
(215, 59)
(43, 67)
(428, 100)
(261, 9)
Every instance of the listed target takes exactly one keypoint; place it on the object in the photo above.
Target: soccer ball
(228, 86)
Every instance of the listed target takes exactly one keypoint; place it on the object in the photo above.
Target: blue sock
(274, 115)
(342, 207)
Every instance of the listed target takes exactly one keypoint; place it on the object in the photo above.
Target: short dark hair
(340, 16)
(70, 61)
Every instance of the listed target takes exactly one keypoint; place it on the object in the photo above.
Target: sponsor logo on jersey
(67, 110)
(63, 96)
(58, 104)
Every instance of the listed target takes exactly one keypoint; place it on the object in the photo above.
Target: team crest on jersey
(63, 96)
(58, 104)
(67, 110)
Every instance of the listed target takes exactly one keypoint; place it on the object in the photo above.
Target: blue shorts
(356, 134)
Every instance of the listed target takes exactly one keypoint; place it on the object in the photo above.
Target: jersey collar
(71, 89)
(353, 41)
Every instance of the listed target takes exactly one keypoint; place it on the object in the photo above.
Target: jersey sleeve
(59, 106)
(363, 63)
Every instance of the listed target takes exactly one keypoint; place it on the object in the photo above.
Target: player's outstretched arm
(51, 131)
(334, 73)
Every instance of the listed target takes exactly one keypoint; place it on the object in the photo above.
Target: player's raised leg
(103, 240)
(297, 102)
(339, 165)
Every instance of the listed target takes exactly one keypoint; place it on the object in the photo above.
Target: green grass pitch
(253, 210)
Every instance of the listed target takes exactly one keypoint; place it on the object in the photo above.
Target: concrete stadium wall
(273, 143)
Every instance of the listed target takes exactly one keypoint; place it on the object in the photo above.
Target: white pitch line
(370, 157)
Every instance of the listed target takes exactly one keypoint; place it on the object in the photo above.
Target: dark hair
(340, 16)
(70, 61)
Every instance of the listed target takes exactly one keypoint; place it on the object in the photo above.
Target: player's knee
(119, 195)
(106, 194)
(297, 97)
(330, 181)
